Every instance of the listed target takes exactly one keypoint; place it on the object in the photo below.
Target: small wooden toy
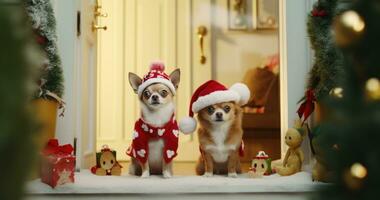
(261, 166)
(294, 156)
(106, 163)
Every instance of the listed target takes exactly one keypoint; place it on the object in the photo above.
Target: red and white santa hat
(210, 93)
(156, 75)
(262, 155)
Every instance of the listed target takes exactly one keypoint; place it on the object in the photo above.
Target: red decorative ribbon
(53, 148)
(307, 106)
(318, 13)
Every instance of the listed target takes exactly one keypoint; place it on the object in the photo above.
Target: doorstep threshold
(87, 183)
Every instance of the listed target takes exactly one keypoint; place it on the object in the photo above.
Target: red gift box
(57, 164)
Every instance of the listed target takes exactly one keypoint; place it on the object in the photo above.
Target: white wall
(65, 12)
(299, 58)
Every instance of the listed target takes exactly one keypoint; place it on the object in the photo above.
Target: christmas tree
(350, 134)
(43, 21)
(19, 57)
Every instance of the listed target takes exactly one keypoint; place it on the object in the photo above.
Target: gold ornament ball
(358, 171)
(337, 92)
(348, 28)
(372, 88)
(354, 177)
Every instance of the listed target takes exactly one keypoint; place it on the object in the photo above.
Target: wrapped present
(57, 164)
(106, 163)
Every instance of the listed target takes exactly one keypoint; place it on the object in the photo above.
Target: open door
(87, 58)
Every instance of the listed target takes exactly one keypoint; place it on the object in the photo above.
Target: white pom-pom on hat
(243, 92)
(187, 125)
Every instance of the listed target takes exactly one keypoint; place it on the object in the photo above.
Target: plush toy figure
(106, 163)
(261, 165)
(294, 156)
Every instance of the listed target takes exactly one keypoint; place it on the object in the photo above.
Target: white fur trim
(214, 98)
(187, 125)
(156, 80)
(243, 92)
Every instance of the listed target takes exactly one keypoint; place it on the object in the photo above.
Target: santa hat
(156, 75)
(210, 93)
(262, 155)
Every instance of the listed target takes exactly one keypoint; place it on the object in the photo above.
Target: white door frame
(283, 75)
(295, 57)
(295, 63)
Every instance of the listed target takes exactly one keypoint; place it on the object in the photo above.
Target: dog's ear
(135, 81)
(175, 77)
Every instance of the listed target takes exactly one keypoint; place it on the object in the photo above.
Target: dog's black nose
(219, 115)
(155, 97)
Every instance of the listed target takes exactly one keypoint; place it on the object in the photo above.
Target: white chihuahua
(155, 137)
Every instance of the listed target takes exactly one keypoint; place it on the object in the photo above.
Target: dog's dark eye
(210, 110)
(290, 138)
(227, 109)
(111, 161)
(262, 166)
(164, 93)
(255, 165)
(104, 162)
(146, 94)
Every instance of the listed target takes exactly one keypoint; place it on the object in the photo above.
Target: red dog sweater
(144, 132)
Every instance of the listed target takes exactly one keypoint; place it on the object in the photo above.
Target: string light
(358, 171)
(352, 19)
(372, 87)
(337, 92)
(348, 28)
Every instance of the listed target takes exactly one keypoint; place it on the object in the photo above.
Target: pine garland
(328, 67)
(43, 21)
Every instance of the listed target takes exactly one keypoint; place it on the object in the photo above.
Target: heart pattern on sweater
(175, 132)
(135, 135)
(145, 127)
(141, 152)
(160, 132)
(170, 153)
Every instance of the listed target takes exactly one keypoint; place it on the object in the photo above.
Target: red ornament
(41, 40)
(318, 13)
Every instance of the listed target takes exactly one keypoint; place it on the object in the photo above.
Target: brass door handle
(99, 14)
(96, 27)
(202, 32)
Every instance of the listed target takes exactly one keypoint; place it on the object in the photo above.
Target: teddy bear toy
(294, 156)
(106, 163)
(261, 165)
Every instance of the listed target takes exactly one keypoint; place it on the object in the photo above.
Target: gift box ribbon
(53, 148)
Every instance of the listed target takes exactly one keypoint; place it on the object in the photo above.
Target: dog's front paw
(167, 174)
(208, 174)
(145, 174)
(232, 174)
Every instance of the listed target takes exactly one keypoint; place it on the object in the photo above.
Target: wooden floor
(184, 168)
